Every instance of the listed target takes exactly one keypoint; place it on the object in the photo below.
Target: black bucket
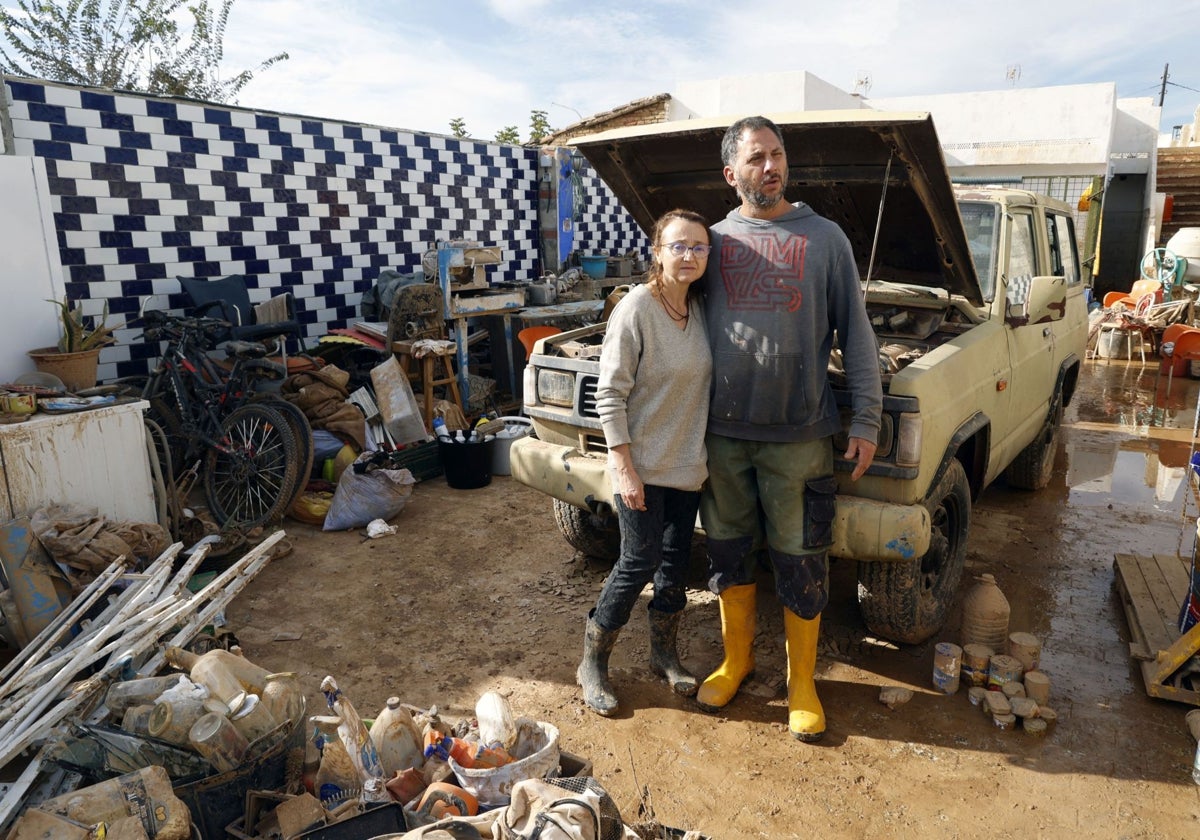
(467, 465)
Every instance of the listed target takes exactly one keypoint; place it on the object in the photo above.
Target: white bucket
(514, 428)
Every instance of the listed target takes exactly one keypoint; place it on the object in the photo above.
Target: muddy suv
(977, 301)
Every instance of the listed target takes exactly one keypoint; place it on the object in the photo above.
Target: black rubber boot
(593, 670)
(664, 657)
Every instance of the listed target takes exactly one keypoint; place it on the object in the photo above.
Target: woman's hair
(654, 276)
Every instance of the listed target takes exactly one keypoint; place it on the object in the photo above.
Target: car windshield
(981, 221)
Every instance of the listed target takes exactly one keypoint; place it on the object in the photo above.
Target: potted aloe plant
(77, 356)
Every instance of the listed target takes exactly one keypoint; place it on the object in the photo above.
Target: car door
(1027, 277)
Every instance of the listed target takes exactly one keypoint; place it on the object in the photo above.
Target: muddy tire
(252, 477)
(588, 533)
(1033, 466)
(908, 602)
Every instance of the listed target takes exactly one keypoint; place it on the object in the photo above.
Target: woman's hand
(629, 485)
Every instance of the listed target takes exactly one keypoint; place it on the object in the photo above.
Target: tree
(508, 134)
(539, 126)
(459, 127)
(132, 44)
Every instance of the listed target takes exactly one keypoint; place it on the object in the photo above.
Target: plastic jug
(336, 778)
(985, 615)
(353, 732)
(396, 739)
(283, 697)
(224, 674)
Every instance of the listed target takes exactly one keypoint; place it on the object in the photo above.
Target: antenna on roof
(862, 83)
(1013, 74)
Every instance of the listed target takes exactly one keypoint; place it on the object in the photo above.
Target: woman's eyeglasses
(678, 249)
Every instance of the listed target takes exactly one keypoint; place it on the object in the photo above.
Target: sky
(417, 64)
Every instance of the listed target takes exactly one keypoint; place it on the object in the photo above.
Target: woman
(652, 399)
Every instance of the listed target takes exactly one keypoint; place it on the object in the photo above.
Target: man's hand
(862, 450)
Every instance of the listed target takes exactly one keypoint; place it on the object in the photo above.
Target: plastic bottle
(140, 692)
(496, 724)
(353, 732)
(458, 436)
(396, 739)
(336, 778)
(985, 615)
(250, 716)
(224, 674)
(468, 754)
(439, 428)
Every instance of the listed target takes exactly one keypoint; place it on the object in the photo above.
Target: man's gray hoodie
(776, 293)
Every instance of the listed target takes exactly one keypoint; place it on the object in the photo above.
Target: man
(781, 285)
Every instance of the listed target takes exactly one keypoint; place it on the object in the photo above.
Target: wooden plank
(1152, 591)
(1155, 632)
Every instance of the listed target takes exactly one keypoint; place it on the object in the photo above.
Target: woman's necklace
(673, 313)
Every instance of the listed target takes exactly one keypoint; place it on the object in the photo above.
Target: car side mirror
(1035, 300)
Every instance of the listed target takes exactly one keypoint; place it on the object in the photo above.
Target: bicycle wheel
(304, 437)
(251, 476)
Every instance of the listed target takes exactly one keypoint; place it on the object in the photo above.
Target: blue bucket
(594, 266)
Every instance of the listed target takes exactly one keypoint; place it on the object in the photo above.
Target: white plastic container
(397, 739)
(514, 428)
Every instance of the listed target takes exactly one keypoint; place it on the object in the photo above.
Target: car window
(1064, 262)
(1022, 250)
(982, 229)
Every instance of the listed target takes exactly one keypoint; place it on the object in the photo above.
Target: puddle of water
(1128, 439)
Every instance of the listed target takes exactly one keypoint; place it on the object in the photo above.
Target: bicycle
(253, 450)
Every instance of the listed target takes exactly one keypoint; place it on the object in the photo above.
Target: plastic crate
(420, 459)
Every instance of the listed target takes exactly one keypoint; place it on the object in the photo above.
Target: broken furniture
(416, 314)
(1144, 288)
(466, 294)
(228, 298)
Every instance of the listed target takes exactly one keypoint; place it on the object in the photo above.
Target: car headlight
(556, 387)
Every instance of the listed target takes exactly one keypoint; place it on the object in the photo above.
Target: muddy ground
(478, 591)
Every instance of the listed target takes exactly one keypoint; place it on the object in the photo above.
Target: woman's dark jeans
(656, 544)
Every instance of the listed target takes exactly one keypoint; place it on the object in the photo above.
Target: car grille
(587, 396)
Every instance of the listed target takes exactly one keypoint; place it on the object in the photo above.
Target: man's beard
(759, 199)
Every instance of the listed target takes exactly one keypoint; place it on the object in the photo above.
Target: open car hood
(837, 162)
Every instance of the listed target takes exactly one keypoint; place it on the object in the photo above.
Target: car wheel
(1033, 466)
(907, 602)
(592, 534)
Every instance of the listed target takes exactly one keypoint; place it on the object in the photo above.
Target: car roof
(837, 162)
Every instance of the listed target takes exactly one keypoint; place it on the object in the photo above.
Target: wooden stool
(428, 376)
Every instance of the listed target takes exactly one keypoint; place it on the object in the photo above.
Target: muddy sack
(364, 496)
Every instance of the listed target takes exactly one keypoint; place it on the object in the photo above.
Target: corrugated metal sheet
(1179, 177)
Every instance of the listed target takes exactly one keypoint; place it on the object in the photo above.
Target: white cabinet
(96, 458)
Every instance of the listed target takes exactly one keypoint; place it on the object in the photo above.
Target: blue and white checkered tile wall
(605, 227)
(145, 190)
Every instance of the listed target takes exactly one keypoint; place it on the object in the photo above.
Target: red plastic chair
(531, 335)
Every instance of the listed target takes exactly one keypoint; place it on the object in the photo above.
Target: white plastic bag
(363, 497)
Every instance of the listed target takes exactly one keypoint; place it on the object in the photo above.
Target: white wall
(32, 272)
(1068, 127)
(763, 93)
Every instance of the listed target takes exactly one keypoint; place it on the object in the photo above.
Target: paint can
(1037, 727)
(1013, 689)
(947, 657)
(975, 658)
(976, 694)
(1026, 648)
(1037, 687)
(1005, 722)
(1002, 669)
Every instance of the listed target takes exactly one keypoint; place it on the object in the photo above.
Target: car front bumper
(863, 529)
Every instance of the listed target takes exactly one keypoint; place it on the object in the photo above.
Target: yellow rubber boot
(738, 622)
(806, 718)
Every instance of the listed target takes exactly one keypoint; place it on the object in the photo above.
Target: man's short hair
(733, 136)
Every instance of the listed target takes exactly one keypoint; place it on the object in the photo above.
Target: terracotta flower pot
(76, 370)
